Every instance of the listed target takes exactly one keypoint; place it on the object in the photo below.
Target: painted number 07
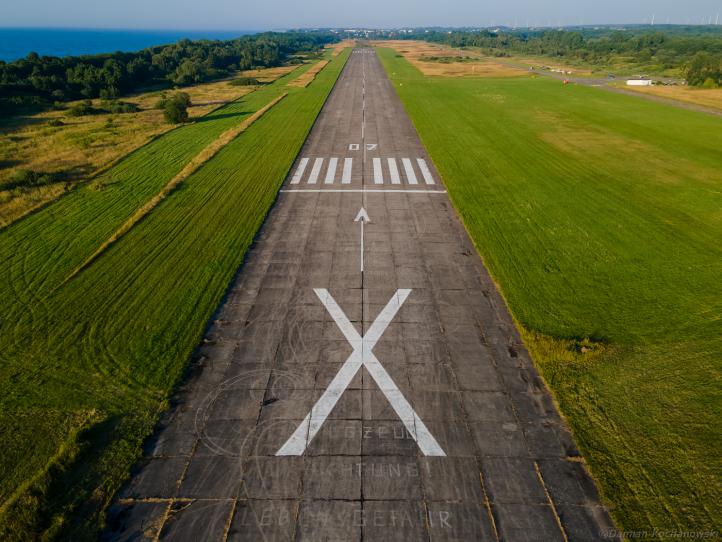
(369, 146)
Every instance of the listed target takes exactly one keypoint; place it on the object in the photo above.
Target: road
(363, 379)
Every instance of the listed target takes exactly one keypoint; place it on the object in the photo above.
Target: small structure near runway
(639, 82)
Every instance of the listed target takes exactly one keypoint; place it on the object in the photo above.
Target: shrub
(160, 104)
(244, 82)
(183, 99)
(175, 108)
(80, 110)
(26, 178)
(56, 123)
(117, 107)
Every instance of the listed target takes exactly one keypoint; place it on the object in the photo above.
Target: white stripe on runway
(331, 173)
(347, 164)
(299, 172)
(394, 171)
(378, 173)
(315, 171)
(409, 169)
(425, 171)
(363, 191)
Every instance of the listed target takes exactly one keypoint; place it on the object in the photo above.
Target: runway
(363, 379)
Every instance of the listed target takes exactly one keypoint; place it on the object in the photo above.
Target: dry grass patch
(709, 97)
(452, 62)
(336, 48)
(269, 75)
(309, 75)
(595, 146)
(83, 146)
(553, 65)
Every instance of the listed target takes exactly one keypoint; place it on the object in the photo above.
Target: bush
(160, 104)
(26, 178)
(117, 107)
(704, 69)
(80, 110)
(244, 82)
(175, 108)
(175, 114)
(183, 99)
(56, 123)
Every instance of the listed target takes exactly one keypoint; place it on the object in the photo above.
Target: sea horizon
(17, 42)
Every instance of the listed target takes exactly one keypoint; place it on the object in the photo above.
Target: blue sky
(279, 14)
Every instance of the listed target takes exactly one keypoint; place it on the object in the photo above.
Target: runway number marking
(354, 147)
(372, 146)
(362, 356)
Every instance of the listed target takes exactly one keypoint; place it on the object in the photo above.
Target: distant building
(639, 83)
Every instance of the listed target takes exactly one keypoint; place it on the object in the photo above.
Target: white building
(639, 83)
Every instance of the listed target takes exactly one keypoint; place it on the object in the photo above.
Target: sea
(18, 42)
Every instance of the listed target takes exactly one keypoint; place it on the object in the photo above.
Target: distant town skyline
(283, 14)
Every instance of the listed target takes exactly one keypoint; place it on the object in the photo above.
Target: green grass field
(86, 366)
(600, 217)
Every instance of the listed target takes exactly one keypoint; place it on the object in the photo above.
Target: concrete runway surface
(363, 379)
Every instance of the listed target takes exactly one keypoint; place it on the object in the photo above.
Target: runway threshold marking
(394, 171)
(362, 356)
(347, 166)
(409, 168)
(299, 172)
(331, 172)
(315, 171)
(378, 172)
(425, 172)
(361, 191)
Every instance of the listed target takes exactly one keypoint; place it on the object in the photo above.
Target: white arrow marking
(362, 217)
(362, 356)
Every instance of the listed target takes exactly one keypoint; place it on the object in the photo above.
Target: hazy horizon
(230, 15)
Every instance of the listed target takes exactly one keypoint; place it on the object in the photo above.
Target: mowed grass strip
(305, 79)
(201, 158)
(599, 216)
(36, 258)
(113, 342)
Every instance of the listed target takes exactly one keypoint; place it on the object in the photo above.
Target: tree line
(42, 81)
(698, 54)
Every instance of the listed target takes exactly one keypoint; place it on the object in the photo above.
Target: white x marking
(362, 356)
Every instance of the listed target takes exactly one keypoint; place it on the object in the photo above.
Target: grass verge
(206, 154)
(599, 216)
(114, 341)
